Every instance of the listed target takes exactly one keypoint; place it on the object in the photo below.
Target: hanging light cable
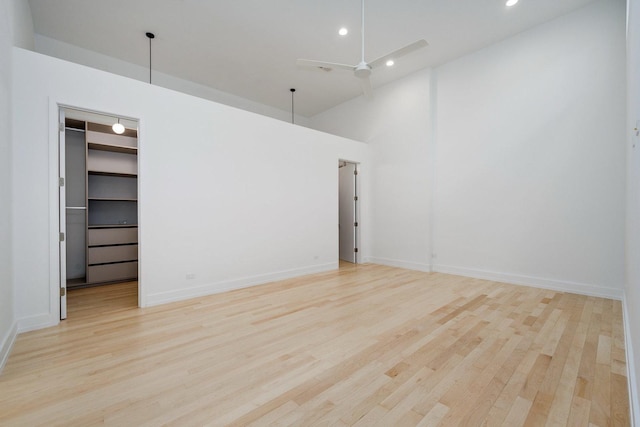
(151, 36)
(292, 116)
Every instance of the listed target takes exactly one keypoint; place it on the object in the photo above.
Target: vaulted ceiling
(249, 47)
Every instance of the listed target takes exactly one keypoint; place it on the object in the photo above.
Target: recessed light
(343, 31)
(390, 63)
(510, 3)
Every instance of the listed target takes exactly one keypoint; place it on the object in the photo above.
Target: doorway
(348, 211)
(98, 199)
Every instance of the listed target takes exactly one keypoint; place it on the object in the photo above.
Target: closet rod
(74, 129)
(76, 207)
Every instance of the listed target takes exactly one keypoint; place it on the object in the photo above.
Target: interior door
(62, 215)
(347, 218)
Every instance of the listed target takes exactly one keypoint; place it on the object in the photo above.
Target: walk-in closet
(100, 185)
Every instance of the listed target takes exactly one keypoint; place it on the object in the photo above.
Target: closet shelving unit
(111, 206)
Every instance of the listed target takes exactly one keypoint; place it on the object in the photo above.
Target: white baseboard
(230, 285)
(7, 344)
(632, 379)
(536, 282)
(36, 322)
(409, 265)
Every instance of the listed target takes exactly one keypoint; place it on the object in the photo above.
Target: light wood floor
(366, 345)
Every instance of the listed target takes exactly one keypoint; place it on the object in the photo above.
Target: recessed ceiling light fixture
(510, 3)
(390, 63)
(118, 127)
(343, 31)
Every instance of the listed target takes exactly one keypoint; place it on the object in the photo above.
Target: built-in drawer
(104, 254)
(112, 272)
(112, 236)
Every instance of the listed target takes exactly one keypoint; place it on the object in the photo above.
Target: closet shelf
(113, 262)
(104, 173)
(98, 226)
(113, 148)
(112, 199)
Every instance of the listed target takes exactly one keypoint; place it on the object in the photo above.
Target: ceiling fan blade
(365, 83)
(398, 53)
(327, 66)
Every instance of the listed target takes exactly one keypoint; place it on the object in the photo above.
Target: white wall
(230, 196)
(7, 326)
(397, 125)
(522, 148)
(16, 29)
(22, 24)
(530, 167)
(632, 288)
(69, 52)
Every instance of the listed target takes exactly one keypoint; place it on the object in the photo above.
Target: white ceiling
(249, 47)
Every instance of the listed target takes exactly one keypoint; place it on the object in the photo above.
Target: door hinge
(355, 249)
(61, 127)
(62, 237)
(355, 171)
(355, 224)
(63, 292)
(355, 198)
(61, 181)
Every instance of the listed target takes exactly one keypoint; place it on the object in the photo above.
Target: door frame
(56, 269)
(62, 206)
(356, 210)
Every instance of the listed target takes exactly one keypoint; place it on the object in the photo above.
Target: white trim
(142, 296)
(54, 229)
(7, 344)
(38, 321)
(409, 265)
(632, 383)
(537, 282)
(230, 285)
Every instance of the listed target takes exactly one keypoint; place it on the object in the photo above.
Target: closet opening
(348, 211)
(98, 189)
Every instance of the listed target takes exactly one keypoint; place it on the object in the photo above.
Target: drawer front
(112, 272)
(112, 236)
(106, 254)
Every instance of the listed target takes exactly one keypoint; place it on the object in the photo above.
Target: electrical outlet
(191, 276)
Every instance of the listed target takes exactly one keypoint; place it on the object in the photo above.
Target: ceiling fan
(363, 69)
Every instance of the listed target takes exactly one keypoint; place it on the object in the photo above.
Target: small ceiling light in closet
(510, 3)
(390, 63)
(343, 31)
(118, 127)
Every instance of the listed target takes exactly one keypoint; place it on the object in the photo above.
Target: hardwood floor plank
(435, 416)
(364, 345)
(518, 413)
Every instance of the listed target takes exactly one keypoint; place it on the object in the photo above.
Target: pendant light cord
(149, 61)
(151, 36)
(292, 111)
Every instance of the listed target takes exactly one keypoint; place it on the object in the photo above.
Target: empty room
(353, 212)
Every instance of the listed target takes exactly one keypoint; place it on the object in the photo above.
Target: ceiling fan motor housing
(363, 70)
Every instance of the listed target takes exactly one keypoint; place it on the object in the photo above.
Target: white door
(63, 216)
(347, 216)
